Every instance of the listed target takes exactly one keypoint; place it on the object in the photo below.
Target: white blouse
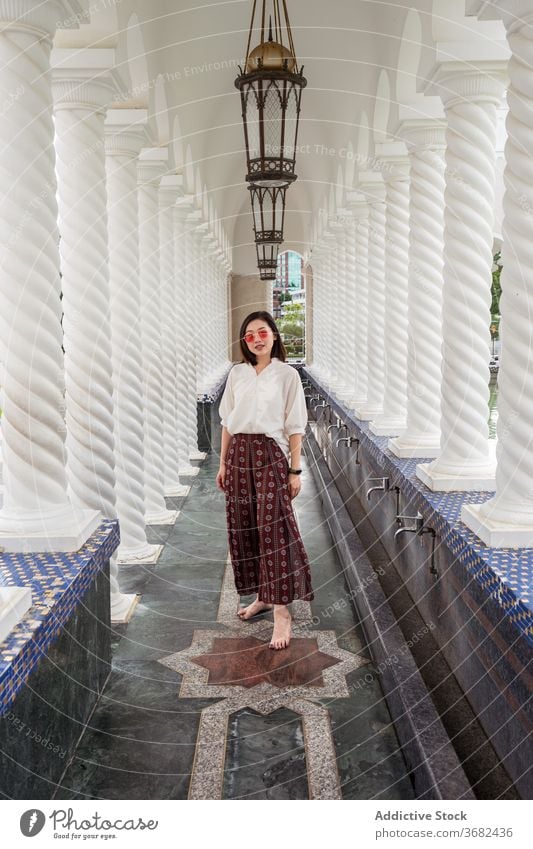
(271, 402)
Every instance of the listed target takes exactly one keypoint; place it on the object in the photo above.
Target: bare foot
(281, 635)
(253, 609)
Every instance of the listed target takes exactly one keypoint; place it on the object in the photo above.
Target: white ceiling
(179, 59)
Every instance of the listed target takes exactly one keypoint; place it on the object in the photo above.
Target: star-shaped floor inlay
(223, 664)
(248, 661)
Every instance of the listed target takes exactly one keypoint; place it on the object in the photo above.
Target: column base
(122, 607)
(147, 554)
(189, 472)
(178, 490)
(482, 479)
(165, 517)
(493, 533)
(367, 412)
(387, 426)
(65, 528)
(197, 455)
(410, 447)
(14, 604)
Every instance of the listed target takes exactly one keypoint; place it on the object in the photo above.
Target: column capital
(184, 208)
(393, 160)
(43, 18)
(372, 185)
(84, 79)
(170, 190)
(357, 204)
(152, 165)
(125, 132)
(515, 14)
(423, 134)
(459, 82)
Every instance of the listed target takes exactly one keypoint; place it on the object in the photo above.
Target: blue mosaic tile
(215, 392)
(59, 581)
(506, 575)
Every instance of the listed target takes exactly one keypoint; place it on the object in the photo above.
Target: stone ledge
(58, 582)
(432, 761)
(503, 575)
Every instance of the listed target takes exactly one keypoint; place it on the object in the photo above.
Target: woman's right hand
(221, 476)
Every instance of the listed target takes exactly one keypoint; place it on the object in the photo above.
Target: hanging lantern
(271, 88)
(268, 208)
(267, 260)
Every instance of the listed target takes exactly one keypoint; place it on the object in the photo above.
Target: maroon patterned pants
(267, 552)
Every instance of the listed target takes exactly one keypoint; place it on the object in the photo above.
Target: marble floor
(196, 706)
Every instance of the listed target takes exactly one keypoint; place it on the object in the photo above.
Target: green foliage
(496, 295)
(292, 329)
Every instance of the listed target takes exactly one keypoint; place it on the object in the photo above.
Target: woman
(263, 417)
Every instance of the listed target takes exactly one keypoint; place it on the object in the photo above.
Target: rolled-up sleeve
(295, 408)
(227, 401)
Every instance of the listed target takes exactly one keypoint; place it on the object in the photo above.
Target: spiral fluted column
(80, 101)
(182, 332)
(123, 144)
(36, 514)
(426, 144)
(375, 191)
(350, 305)
(317, 260)
(342, 332)
(360, 212)
(471, 99)
(192, 266)
(170, 190)
(507, 519)
(151, 167)
(393, 420)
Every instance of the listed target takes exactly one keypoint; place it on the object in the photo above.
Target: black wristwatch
(295, 471)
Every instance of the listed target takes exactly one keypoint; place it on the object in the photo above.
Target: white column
(184, 366)
(125, 135)
(36, 514)
(373, 186)
(350, 306)
(80, 100)
(507, 519)
(170, 190)
(329, 316)
(192, 265)
(360, 211)
(151, 167)
(426, 144)
(471, 99)
(393, 420)
(342, 331)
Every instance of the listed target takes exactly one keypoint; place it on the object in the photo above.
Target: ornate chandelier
(271, 89)
(268, 208)
(267, 260)
(271, 86)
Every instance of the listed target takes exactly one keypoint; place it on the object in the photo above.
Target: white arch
(137, 66)
(382, 107)
(176, 147)
(160, 112)
(188, 171)
(363, 142)
(409, 58)
(339, 188)
(349, 166)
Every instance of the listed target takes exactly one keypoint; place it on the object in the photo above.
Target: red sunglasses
(249, 337)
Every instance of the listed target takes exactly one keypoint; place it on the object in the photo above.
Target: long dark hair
(278, 349)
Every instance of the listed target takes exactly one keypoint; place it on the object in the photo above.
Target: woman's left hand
(295, 485)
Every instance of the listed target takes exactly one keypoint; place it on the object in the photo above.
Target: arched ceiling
(183, 56)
